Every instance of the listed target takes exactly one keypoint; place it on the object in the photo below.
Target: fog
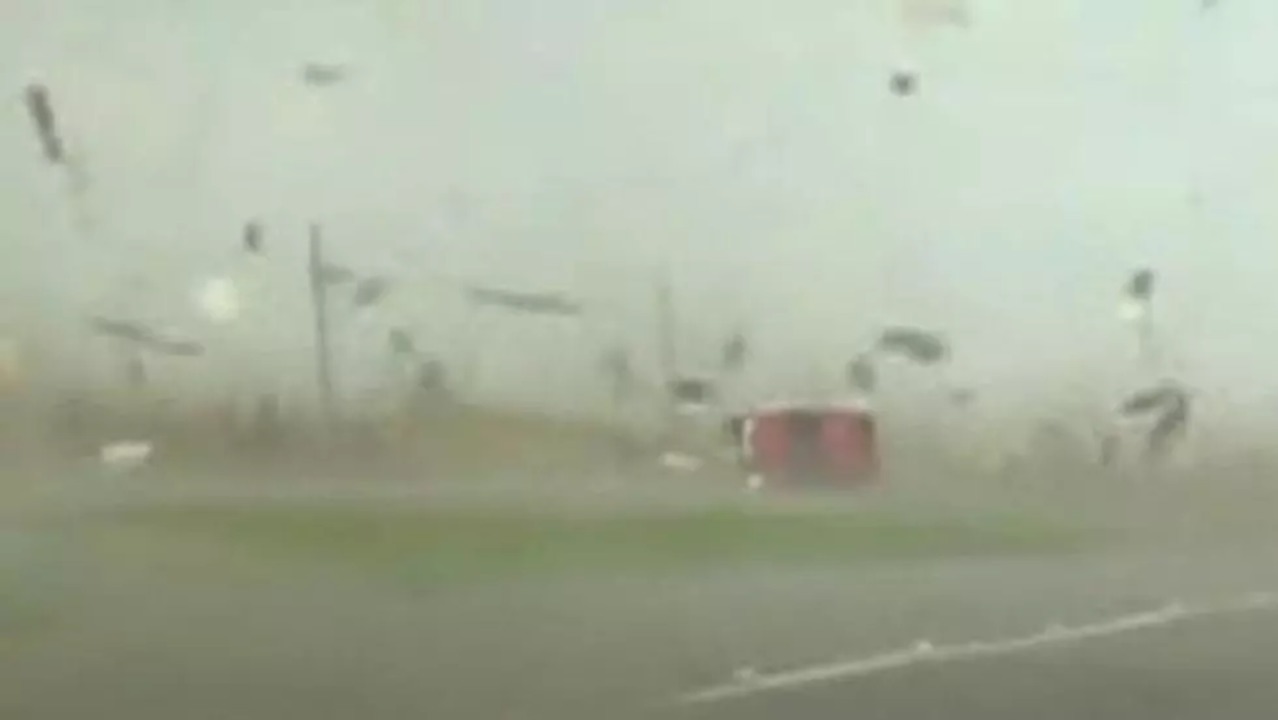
(750, 150)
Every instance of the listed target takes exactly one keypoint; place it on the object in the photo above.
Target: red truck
(816, 445)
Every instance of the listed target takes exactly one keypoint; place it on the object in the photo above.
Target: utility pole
(319, 306)
(666, 329)
(668, 350)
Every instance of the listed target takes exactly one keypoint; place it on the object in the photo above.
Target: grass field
(434, 547)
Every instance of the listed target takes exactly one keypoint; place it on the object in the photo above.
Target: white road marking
(924, 651)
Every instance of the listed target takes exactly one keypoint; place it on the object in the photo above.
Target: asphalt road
(1213, 667)
(174, 633)
(142, 640)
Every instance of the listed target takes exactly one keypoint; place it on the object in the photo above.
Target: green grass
(434, 547)
(30, 588)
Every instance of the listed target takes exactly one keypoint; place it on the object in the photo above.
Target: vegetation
(432, 546)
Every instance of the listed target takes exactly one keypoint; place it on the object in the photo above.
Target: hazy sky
(751, 147)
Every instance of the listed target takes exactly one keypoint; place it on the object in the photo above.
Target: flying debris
(401, 343)
(369, 291)
(862, 375)
(53, 147)
(920, 346)
(1136, 305)
(691, 392)
(144, 338)
(122, 330)
(1148, 400)
(431, 386)
(251, 238)
(432, 375)
(531, 303)
(736, 351)
(904, 83)
(1140, 286)
(919, 18)
(323, 74)
(40, 108)
(1169, 404)
(617, 367)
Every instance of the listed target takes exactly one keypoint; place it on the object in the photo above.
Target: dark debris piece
(1140, 286)
(921, 346)
(252, 237)
(903, 83)
(40, 108)
(862, 375)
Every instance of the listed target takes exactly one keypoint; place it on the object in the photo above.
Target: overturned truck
(806, 445)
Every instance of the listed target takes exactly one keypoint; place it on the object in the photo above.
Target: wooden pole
(666, 330)
(319, 305)
(668, 350)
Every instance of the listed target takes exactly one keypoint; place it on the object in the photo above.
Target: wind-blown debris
(401, 343)
(1150, 399)
(1140, 286)
(691, 391)
(862, 375)
(923, 16)
(530, 303)
(903, 83)
(736, 352)
(369, 291)
(40, 108)
(921, 346)
(318, 74)
(432, 376)
(617, 368)
(144, 338)
(1169, 404)
(252, 237)
(1137, 296)
(122, 330)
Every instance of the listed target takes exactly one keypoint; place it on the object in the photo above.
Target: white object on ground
(126, 454)
(754, 483)
(681, 461)
(218, 299)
